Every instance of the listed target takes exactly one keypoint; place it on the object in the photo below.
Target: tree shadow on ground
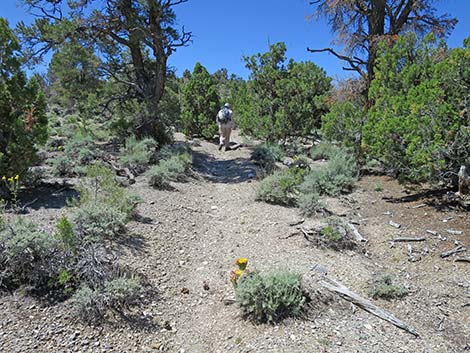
(437, 198)
(228, 171)
(47, 196)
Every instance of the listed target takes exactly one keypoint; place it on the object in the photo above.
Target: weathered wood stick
(454, 232)
(296, 223)
(403, 239)
(393, 224)
(356, 233)
(365, 304)
(432, 232)
(420, 205)
(453, 251)
(462, 259)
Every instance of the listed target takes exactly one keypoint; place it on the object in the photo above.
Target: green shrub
(167, 170)
(136, 154)
(26, 255)
(279, 188)
(101, 187)
(91, 305)
(23, 121)
(337, 177)
(266, 156)
(65, 233)
(383, 287)
(324, 151)
(309, 203)
(270, 298)
(99, 220)
(335, 235)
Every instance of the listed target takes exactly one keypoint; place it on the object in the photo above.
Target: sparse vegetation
(168, 170)
(385, 288)
(270, 298)
(136, 154)
(266, 155)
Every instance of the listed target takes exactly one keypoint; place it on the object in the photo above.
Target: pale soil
(188, 244)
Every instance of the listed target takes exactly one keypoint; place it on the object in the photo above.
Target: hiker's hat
(226, 105)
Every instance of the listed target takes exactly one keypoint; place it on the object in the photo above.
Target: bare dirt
(186, 242)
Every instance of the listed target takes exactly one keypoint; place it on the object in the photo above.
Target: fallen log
(453, 251)
(356, 233)
(367, 305)
(403, 239)
(316, 282)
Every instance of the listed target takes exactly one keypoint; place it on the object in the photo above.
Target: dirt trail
(186, 243)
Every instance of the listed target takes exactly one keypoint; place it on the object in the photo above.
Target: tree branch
(352, 62)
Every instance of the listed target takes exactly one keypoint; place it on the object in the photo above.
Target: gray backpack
(224, 115)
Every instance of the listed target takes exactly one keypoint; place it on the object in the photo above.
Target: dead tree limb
(453, 251)
(365, 304)
(356, 233)
(462, 259)
(404, 239)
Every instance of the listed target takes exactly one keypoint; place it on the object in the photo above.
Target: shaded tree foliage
(134, 39)
(287, 98)
(419, 123)
(361, 24)
(200, 103)
(23, 122)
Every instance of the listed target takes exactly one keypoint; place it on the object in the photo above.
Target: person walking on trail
(225, 123)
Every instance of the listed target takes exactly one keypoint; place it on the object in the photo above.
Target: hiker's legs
(228, 130)
(221, 136)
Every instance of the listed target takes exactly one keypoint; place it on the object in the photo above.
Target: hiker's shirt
(220, 117)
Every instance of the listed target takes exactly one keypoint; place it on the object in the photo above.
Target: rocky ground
(186, 242)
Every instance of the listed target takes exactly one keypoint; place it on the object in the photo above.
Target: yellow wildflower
(238, 272)
(242, 262)
(17, 177)
(4, 178)
(10, 179)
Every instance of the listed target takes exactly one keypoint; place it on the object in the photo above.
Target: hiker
(225, 123)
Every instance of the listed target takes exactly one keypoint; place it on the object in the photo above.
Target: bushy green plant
(279, 187)
(23, 122)
(200, 104)
(334, 235)
(91, 305)
(324, 150)
(266, 155)
(383, 287)
(136, 154)
(99, 220)
(337, 177)
(101, 187)
(79, 152)
(270, 298)
(65, 233)
(26, 254)
(167, 170)
(420, 95)
(310, 203)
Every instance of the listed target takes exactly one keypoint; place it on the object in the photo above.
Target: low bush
(335, 235)
(167, 170)
(99, 220)
(337, 177)
(383, 287)
(270, 298)
(266, 156)
(91, 305)
(101, 187)
(310, 203)
(324, 151)
(280, 187)
(27, 255)
(136, 154)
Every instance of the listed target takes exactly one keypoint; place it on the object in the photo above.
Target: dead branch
(453, 251)
(393, 224)
(462, 259)
(356, 233)
(367, 305)
(454, 232)
(404, 239)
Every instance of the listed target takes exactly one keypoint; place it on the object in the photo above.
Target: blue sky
(225, 30)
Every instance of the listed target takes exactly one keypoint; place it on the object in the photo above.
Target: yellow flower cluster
(235, 275)
(11, 179)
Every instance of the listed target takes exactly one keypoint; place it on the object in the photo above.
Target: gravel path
(186, 244)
